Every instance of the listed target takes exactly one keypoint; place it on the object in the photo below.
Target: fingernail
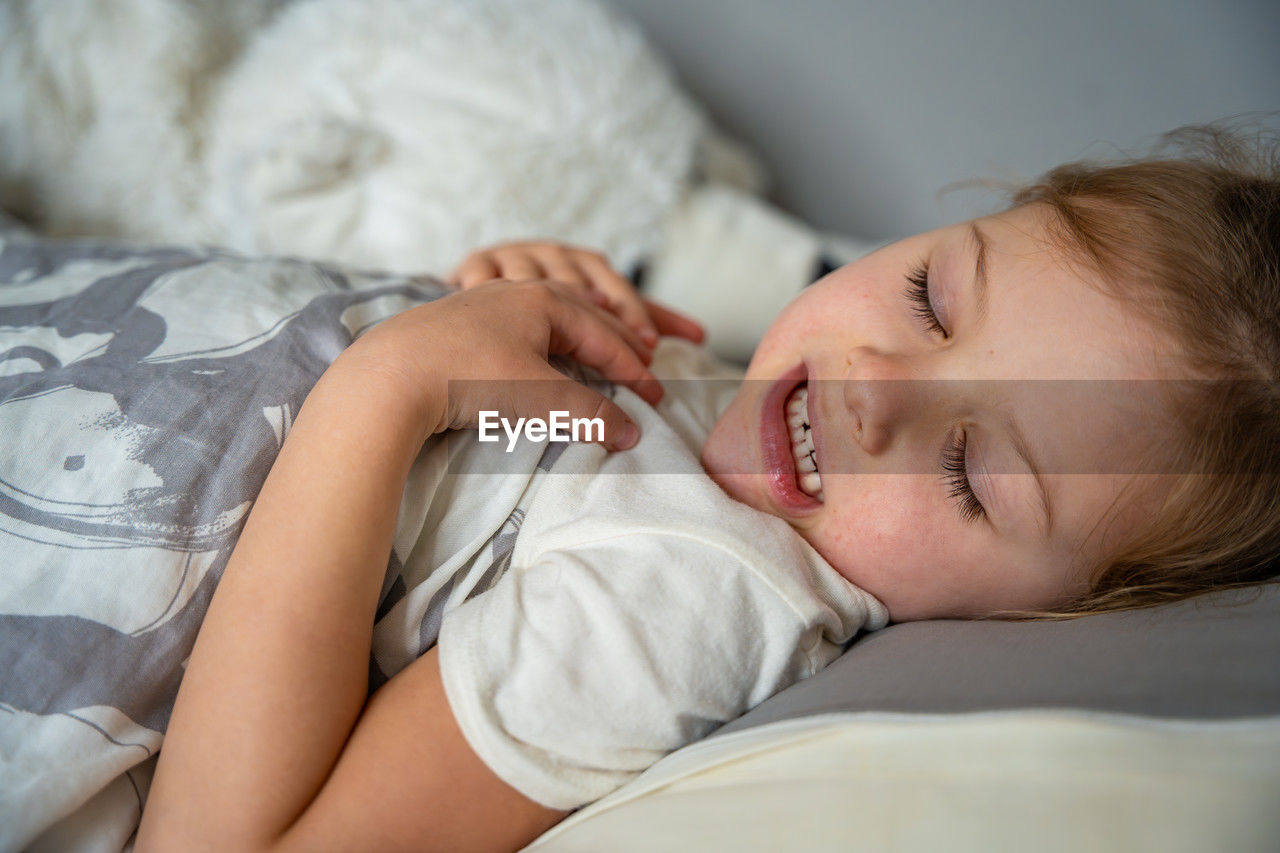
(649, 336)
(628, 438)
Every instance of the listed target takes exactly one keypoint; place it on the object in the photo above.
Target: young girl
(850, 479)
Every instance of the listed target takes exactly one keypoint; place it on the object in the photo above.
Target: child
(827, 484)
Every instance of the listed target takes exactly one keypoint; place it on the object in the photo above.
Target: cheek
(813, 314)
(846, 308)
(774, 351)
(879, 533)
(730, 454)
(727, 439)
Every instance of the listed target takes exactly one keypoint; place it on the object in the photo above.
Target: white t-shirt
(598, 615)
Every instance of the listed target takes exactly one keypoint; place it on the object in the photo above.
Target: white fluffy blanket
(390, 133)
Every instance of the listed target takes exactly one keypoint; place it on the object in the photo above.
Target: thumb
(595, 417)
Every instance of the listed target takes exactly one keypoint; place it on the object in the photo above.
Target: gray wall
(864, 110)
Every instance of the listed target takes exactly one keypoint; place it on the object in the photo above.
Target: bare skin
(532, 261)
(902, 535)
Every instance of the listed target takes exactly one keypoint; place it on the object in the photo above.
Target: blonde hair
(1191, 236)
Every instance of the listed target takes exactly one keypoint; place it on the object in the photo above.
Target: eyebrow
(979, 271)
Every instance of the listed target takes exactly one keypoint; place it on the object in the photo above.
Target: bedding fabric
(395, 133)
(1148, 730)
(1061, 781)
(1212, 657)
(144, 394)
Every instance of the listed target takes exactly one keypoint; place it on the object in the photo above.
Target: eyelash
(918, 295)
(953, 462)
(957, 478)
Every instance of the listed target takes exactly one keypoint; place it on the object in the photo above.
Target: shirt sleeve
(573, 675)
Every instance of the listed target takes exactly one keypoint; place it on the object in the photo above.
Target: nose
(877, 392)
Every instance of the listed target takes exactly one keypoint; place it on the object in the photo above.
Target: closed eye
(917, 294)
(960, 490)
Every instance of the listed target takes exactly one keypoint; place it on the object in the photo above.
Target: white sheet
(1024, 780)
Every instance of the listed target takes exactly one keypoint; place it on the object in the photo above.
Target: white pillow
(1024, 780)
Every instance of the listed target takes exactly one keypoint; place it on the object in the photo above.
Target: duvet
(144, 394)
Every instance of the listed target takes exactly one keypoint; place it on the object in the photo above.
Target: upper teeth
(802, 443)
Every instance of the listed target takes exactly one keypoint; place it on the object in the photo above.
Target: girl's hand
(486, 348)
(543, 260)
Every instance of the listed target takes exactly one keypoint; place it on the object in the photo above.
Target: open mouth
(787, 445)
(808, 477)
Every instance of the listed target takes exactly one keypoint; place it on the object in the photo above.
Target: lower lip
(775, 441)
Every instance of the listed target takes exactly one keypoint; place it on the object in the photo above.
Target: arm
(271, 745)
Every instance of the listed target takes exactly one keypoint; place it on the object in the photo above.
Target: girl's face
(956, 495)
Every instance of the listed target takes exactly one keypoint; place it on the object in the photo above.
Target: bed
(1156, 729)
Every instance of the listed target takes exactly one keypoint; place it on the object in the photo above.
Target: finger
(558, 265)
(473, 270)
(674, 323)
(604, 313)
(598, 418)
(516, 264)
(580, 289)
(590, 336)
(623, 299)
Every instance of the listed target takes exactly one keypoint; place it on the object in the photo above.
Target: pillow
(1212, 657)
(921, 783)
(1151, 729)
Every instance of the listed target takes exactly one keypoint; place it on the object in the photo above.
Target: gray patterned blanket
(144, 394)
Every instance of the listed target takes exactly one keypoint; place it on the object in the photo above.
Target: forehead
(1049, 315)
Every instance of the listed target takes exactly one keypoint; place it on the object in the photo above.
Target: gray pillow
(1213, 657)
